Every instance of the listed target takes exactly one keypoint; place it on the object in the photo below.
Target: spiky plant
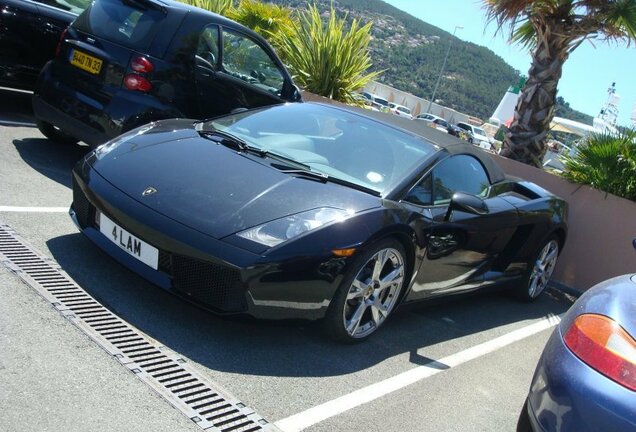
(266, 19)
(606, 162)
(326, 58)
(221, 7)
(552, 29)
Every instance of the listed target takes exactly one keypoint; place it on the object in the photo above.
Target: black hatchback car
(124, 63)
(29, 34)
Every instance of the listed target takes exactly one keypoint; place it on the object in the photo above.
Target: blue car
(586, 377)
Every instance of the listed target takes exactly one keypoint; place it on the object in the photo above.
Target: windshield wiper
(354, 185)
(303, 172)
(233, 141)
(324, 178)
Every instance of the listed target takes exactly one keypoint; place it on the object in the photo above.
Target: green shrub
(221, 7)
(501, 133)
(325, 58)
(606, 162)
(266, 19)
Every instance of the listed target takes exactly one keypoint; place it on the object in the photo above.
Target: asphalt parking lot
(464, 365)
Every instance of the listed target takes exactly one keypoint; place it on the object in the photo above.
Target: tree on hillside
(552, 29)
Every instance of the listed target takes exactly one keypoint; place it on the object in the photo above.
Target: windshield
(125, 23)
(404, 110)
(480, 131)
(381, 101)
(330, 141)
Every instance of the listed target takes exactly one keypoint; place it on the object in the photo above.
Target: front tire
(539, 270)
(54, 134)
(368, 293)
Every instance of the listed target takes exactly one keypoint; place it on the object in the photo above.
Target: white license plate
(141, 250)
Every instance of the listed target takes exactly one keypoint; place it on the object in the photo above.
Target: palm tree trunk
(525, 140)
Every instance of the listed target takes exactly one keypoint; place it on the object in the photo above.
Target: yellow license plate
(86, 62)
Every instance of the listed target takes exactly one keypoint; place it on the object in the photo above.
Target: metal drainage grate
(163, 370)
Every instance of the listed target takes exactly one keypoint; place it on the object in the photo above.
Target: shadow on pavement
(285, 349)
(50, 159)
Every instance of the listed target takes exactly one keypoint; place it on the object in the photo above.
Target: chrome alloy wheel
(543, 268)
(373, 293)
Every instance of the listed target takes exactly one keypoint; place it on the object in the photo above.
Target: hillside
(411, 51)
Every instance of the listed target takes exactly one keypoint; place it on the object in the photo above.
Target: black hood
(212, 188)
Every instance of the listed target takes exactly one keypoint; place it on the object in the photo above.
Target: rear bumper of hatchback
(568, 395)
(94, 120)
(69, 124)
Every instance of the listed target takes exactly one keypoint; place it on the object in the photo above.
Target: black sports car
(311, 211)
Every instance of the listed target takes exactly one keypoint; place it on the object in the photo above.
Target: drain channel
(162, 369)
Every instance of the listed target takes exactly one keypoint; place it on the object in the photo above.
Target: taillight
(605, 346)
(59, 42)
(141, 64)
(137, 82)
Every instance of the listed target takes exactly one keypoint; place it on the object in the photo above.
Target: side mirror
(296, 94)
(467, 203)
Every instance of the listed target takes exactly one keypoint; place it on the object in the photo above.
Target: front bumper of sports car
(214, 274)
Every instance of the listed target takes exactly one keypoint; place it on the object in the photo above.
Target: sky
(587, 74)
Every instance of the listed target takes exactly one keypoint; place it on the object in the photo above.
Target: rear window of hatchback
(130, 23)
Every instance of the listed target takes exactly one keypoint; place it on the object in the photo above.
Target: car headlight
(111, 145)
(280, 230)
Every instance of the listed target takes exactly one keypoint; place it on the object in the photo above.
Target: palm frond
(525, 35)
(620, 21)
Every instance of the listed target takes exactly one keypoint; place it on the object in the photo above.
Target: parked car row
(472, 134)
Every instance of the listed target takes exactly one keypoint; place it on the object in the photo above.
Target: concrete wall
(601, 226)
(418, 105)
(601, 229)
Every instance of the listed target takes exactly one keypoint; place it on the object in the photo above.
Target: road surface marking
(305, 419)
(13, 209)
(16, 123)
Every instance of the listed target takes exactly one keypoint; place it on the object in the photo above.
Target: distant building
(505, 111)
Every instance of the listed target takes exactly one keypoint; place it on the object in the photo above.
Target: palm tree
(552, 29)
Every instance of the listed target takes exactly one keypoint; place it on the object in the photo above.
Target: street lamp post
(439, 78)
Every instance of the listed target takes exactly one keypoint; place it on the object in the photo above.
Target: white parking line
(12, 209)
(16, 90)
(300, 421)
(16, 123)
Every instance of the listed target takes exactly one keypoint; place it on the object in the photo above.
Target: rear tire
(54, 134)
(368, 293)
(540, 269)
(523, 422)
